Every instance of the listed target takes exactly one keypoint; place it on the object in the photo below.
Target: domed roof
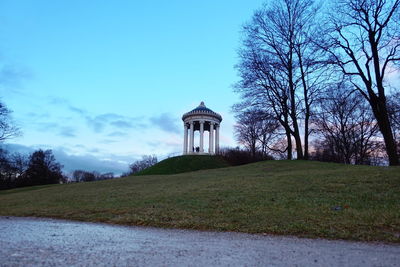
(202, 110)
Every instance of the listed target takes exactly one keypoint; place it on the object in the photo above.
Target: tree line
(313, 72)
(39, 168)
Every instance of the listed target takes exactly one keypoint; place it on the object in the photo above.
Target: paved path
(47, 242)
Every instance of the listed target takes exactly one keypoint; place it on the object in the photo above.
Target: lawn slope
(309, 199)
(186, 163)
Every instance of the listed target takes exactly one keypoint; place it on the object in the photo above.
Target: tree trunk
(306, 104)
(378, 103)
(289, 145)
(380, 111)
(306, 136)
(293, 115)
(288, 138)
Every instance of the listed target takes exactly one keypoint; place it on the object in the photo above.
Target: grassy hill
(186, 163)
(310, 199)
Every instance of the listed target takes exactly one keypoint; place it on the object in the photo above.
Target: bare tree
(269, 133)
(19, 163)
(79, 176)
(281, 68)
(12, 168)
(144, 163)
(347, 125)
(246, 131)
(364, 42)
(7, 128)
(256, 130)
(263, 87)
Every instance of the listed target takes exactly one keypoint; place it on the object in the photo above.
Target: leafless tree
(281, 68)
(19, 163)
(12, 167)
(246, 131)
(144, 163)
(364, 42)
(7, 127)
(347, 125)
(256, 130)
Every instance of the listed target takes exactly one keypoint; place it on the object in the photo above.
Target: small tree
(12, 167)
(6, 170)
(106, 176)
(256, 130)
(7, 128)
(77, 176)
(347, 126)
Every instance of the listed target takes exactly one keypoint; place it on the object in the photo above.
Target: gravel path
(48, 242)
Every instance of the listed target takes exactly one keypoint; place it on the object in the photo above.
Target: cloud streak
(11, 75)
(112, 121)
(165, 122)
(101, 122)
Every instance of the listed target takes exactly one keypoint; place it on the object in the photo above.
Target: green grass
(187, 163)
(274, 197)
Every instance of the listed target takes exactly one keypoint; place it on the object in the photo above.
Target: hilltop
(185, 163)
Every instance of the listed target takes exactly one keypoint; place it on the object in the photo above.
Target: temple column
(211, 139)
(201, 136)
(217, 138)
(191, 142)
(185, 139)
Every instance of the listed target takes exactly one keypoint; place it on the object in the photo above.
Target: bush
(237, 156)
(85, 176)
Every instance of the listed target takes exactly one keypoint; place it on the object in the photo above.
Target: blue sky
(104, 82)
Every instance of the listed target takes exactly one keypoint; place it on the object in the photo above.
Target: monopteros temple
(201, 119)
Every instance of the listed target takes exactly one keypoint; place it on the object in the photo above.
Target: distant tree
(20, 164)
(144, 163)
(7, 128)
(256, 130)
(42, 169)
(347, 126)
(6, 170)
(246, 131)
(89, 176)
(12, 168)
(106, 176)
(86, 176)
(77, 175)
(363, 40)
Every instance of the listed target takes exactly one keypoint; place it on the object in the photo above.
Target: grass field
(274, 197)
(186, 163)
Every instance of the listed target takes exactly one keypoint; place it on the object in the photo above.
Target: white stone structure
(201, 119)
